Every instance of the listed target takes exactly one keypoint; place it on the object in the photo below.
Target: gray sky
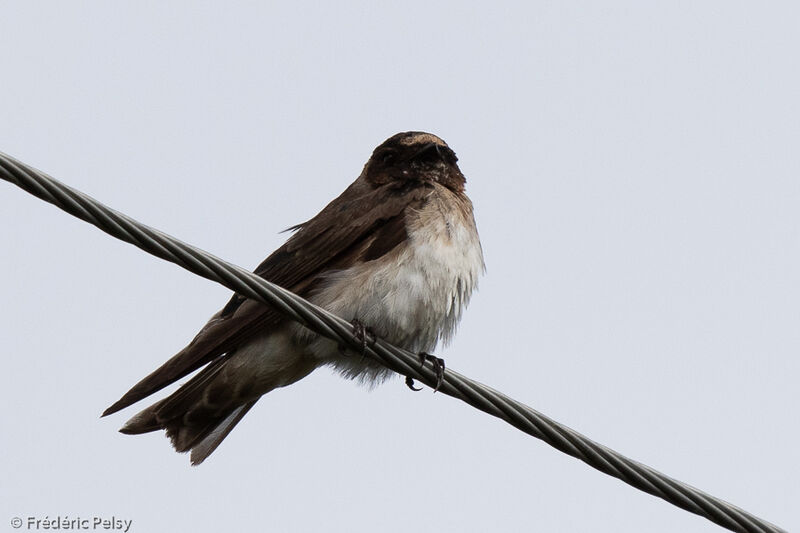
(636, 180)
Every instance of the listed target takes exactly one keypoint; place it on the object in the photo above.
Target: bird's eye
(387, 158)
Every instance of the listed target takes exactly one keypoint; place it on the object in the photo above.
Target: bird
(397, 253)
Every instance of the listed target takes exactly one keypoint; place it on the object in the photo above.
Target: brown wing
(362, 224)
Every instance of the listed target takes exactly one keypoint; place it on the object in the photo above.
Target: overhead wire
(397, 359)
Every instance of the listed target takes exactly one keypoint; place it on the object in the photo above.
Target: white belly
(413, 296)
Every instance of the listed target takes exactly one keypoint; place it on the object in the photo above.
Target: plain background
(635, 173)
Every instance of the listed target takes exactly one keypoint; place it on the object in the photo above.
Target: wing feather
(362, 224)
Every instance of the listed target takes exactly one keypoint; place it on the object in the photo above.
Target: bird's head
(414, 156)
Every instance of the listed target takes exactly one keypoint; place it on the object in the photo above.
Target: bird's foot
(438, 368)
(363, 334)
(410, 384)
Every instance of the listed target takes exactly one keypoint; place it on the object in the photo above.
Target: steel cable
(401, 361)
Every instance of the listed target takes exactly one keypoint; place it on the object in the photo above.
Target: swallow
(397, 253)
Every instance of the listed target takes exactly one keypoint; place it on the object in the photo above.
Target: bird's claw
(410, 384)
(361, 333)
(438, 368)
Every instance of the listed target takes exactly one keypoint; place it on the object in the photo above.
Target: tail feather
(194, 417)
(202, 449)
(144, 421)
(192, 395)
(201, 413)
(239, 321)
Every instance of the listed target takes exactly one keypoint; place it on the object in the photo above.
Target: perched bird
(397, 252)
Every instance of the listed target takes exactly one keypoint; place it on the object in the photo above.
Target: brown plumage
(411, 191)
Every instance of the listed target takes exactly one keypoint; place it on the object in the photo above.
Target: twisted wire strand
(401, 361)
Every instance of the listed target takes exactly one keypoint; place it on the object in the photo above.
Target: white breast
(414, 296)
